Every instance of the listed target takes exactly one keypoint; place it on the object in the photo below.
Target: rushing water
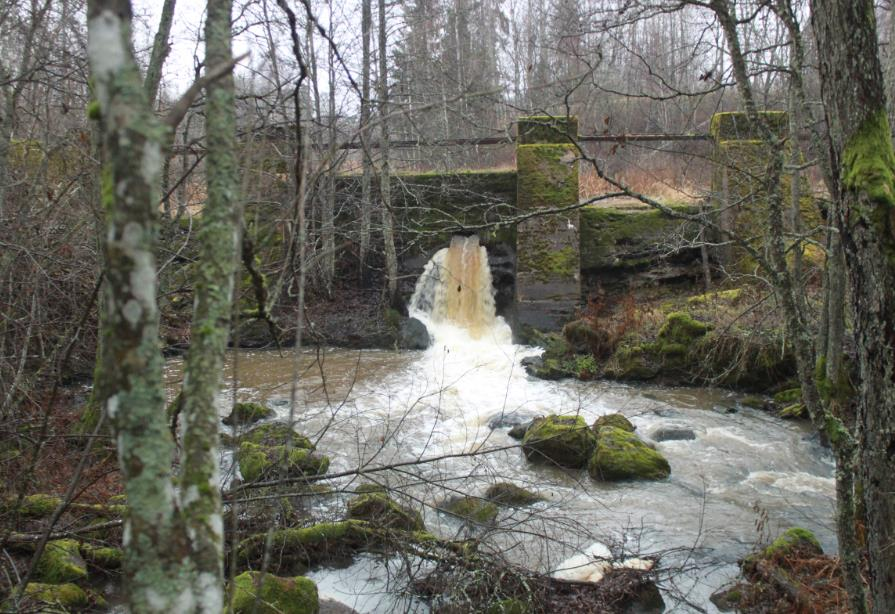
(746, 473)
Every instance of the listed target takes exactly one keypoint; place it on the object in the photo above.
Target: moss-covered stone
(61, 562)
(104, 558)
(473, 509)
(381, 510)
(269, 594)
(299, 549)
(60, 597)
(271, 434)
(564, 440)
(257, 459)
(505, 493)
(617, 420)
(681, 329)
(621, 455)
(792, 541)
(247, 413)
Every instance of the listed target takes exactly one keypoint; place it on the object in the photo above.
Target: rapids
(746, 475)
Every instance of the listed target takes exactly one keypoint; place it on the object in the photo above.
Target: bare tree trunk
(861, 145)
(160, 50)
(388, 220)
(367, 161)
(327, 225)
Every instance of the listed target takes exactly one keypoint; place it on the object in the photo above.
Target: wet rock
(61, 562)
(472, 509)
(380, 510)
(672, 433)
(255, 460)
(504, 420)
(518, 431)
(331, 606)
(271, 434)
(505, 493)
(617, 420)
(413, 335)
(621, 455)
(247, 413)
(563, 440)
(269, 594)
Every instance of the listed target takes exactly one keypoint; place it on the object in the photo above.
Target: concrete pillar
(548, 269)
(739, 180)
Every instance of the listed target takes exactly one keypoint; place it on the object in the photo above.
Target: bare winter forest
(447, 306)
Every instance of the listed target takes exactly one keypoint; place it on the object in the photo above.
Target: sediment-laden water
(744, 476)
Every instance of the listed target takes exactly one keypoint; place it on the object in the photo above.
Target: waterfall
(454, 294)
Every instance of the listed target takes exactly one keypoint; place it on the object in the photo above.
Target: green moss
(102, 557)
(299, 549)
(370, 487)
(256, 459)
(617, 420)
(269, 594)
(564, 440)
(34, 506)
(681, 328)
(61, 562)
(247, 413)
(94, 110)
(271, 434)
(66, 597)
(793, 540)
(473, 509)
(548, 263)
(381, 510)
(505, 493)
(621, 455)
(868, 163)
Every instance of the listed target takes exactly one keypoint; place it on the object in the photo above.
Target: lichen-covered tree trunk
(156, 562)
(388, 220)
(218, 244)
(861, 145)
(160, 50)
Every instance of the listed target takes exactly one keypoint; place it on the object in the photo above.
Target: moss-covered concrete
(254, 593)
(544, 129)
(566, 441)
(737, 126)
(621, 455)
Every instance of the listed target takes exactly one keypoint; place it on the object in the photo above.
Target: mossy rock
(54, 597)
(61, 562)
(617, 420)
(247, 413)
(381, 510)
(680, 328)
(563, 440)
(257, 459)
(104, 558)
(621, 455)
(508, 606)
(633, 359)
(788, 397)
(582, 337)
(254, 594)
(472, 509)
(518, 431)
(505, 493)
(271, 434)
(370, 487)
(33, 506)
(297, 550)
(794, 541)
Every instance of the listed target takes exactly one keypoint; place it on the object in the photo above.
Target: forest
(448, 306)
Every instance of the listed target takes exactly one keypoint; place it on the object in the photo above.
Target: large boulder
(563, 440)
(413, 335)
(617, 420)
(621, 455)
(247, 413)
(381, 510)
(269, 594)
(505, 493)
(257, 459)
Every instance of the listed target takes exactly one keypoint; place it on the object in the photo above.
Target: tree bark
(861, 146)
(367, 161)
(388, 220)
